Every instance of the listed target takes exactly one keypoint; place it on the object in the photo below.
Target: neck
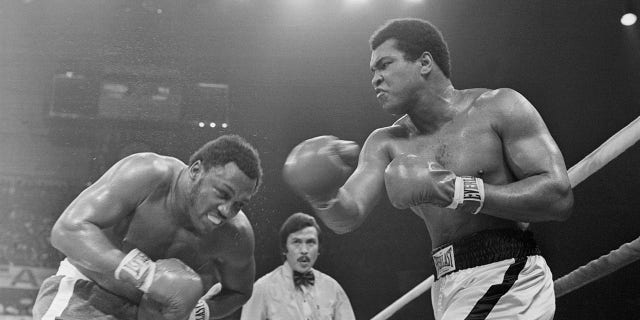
(434, 107)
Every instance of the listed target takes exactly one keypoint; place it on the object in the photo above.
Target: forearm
(86, 245)
(533, 199)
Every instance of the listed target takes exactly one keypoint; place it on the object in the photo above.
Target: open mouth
(216, 219)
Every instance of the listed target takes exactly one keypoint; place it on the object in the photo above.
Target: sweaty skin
(496, 135)
(167, 210)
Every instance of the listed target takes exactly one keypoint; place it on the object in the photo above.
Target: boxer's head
(230, 148)
(224, 174)
(300, 241)
(408, 56)
(414, 37)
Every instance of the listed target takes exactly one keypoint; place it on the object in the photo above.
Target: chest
(159, 234)
(464, 147)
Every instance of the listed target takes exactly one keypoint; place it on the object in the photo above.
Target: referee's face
(302, 249)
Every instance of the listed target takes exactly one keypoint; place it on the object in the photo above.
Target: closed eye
(222, 194)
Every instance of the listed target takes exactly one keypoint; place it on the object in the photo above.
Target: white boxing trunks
(495, 274)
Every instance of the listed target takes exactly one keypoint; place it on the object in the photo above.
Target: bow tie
(305, 279)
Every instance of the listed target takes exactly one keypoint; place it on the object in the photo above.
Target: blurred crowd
(28, 210)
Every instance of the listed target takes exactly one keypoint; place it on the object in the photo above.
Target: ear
(426, 61)
(195, 169)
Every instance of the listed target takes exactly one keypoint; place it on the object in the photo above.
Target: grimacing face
(218, 195)
(302, 249)
(395, 80)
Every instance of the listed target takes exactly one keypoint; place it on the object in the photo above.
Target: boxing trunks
(69, 295)
(493, 274)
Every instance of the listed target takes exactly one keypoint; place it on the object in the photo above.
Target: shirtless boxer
(473, 164)
(153, 235)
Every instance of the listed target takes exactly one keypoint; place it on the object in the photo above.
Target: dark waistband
(482, 248)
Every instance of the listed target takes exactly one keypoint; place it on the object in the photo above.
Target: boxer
(151, 236)
(473, 164)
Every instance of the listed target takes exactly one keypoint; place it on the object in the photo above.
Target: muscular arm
(235, 264)
(542, 191)
(78, 232)
(362, 190)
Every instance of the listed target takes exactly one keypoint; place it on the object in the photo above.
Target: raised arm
(317, 168)
(542, 191)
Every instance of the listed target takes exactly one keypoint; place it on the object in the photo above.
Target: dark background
(299, 68)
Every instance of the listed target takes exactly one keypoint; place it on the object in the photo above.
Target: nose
(376, 80)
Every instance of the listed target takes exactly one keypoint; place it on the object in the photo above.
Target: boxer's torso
(468, 145)
(155, 229)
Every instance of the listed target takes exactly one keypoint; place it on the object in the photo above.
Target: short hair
(295, 223)
(230, 148)
(414, 36)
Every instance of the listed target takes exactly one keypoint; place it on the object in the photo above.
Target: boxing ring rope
(406, 298)
(594, 270)
(598, 268)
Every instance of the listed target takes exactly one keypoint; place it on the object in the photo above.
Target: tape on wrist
(200, 311)
(136, 268)
(469, 193)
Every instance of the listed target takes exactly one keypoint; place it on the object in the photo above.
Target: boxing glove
(152, 310)
(170, 283)
(411, 180)
(316, 168)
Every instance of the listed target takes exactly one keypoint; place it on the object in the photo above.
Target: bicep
(528, 145)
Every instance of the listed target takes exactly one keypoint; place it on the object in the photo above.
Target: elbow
(342, 226)
(57, 236)
(341, 229)
(562, 206)
(341, 219)
(62, 234)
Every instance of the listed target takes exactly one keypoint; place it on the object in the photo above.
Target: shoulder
(502, 100)
(146, 166)
(137, 175)
(269, 279)
(402, 127)
(240, 226)
(235, 237)
(508, 110)
(327, 279)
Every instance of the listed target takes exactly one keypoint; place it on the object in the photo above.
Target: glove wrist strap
(468, 195)
(136, 268)
(200, 311)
